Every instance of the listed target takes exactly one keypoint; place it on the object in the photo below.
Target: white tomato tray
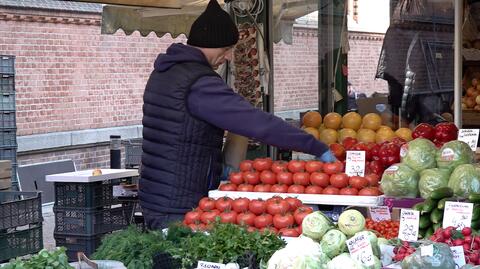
(313, 199)
(86, 176)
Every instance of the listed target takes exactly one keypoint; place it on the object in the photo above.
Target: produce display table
(314, 199)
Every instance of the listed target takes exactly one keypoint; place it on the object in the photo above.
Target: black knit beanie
(214, 28)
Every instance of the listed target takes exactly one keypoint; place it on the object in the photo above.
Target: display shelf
(86, 175)
(314, 199)
(471, 118)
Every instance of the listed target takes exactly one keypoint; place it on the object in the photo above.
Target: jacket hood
(179, 53)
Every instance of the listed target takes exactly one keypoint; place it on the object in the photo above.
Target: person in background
(187, 106)
(352, 97)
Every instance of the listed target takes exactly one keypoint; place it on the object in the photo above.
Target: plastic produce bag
(399, 180)
(454, 153)
(465, 179)
(442, 258)
(419, 154)
(432, 179)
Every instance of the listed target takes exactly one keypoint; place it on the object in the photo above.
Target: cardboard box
(373, 105)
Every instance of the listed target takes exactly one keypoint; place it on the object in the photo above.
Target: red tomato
(257, 206)
(338, 151)
(320, 179)
(280, 188)
(331, 190)
(236, 178)
(296, 189)
(349, 142)
(369, 191)
(348, 191)
(277, 207)
(301, 213)
(299, 229)
(274, 198)
(283, 220)
(240, 205)
(206, 204)
(285, 178)
(268, 177)
(193, 216)
(339, 180)
(295, 166)
(262, 164)
(376, 167)
(373, 180)
(358, 182)
(246, 218)
(263, 221)
(289, 232)
(313, 189)
(279, 166)
(227, 187)
(209, 216)
(333, 168)
(262, 187)
(251, 177)
(245, 187)
(246, 165)
(293, 202)
(228, 217)
(301, 178)
(313, 166)
(224, 203)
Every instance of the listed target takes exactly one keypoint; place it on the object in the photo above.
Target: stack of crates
(20, 224)
(85, 212)
(8, 126)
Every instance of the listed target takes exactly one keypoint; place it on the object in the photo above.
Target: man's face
(218, 56)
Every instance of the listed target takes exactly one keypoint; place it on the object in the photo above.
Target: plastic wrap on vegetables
(453, 154)
(441, 258)
(399, 180)
(432, 179)
(465, 179)
(301, 253)
(419, 154)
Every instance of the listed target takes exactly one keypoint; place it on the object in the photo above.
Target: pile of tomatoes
(282, 216)
(296, 176)
(386, 228)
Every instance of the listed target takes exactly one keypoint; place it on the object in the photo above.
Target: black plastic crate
(7, 64)
(21, 242)
(8, 137)
(88, 222)
(133, 153)
(8, 153)
(8, 120)
(20, 208)
(164, 260)
(74, 244)
(7, 83)
(7, 101)
(87, 195)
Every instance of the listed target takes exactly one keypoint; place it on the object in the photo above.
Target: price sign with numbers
(355, 163)
(360, 249)
(409, 220)
(469, 136)
(458, 255)
(210, 265)
(379, 213)
(457, 214)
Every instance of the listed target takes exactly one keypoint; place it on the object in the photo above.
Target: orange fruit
(346, 132)
(328, 136)
(371, 121)
(352, 120)
(332, 120)
(312, 131)
(366, 136)
(384, 135)
(312, 119)
(404, 133)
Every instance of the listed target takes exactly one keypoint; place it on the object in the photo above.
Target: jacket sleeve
(211, 100)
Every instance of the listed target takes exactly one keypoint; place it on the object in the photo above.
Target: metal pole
(272, 151)
(457, 103)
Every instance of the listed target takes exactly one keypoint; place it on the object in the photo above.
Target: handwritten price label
(458, 255)
(210, 265)
(409, 220)
(469, 136)
(458, 215)
(379, 213)
(360, 249)
(355, 163)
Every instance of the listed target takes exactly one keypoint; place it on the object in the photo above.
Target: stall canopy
(176, 16)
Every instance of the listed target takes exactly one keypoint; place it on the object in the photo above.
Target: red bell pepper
(349, 142)
(374, 150)
(376, 167)
(445, 132)
(389, 154)
(424, 130)
(362, 146)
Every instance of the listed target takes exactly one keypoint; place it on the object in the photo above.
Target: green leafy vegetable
(56, 259)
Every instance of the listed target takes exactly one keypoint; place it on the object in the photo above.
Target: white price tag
(210, 265)
(426, 251)
(458, 215)
(409, 220)
(360, 249)
(469, 136)
(379, 213)
(458, 255)
(387, 254)
(355, 163)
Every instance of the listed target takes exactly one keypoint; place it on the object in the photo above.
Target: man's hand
(328, 157)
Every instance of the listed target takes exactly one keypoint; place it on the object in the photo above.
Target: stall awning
(176, 16)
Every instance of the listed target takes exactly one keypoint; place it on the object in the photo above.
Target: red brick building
(75, 87)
